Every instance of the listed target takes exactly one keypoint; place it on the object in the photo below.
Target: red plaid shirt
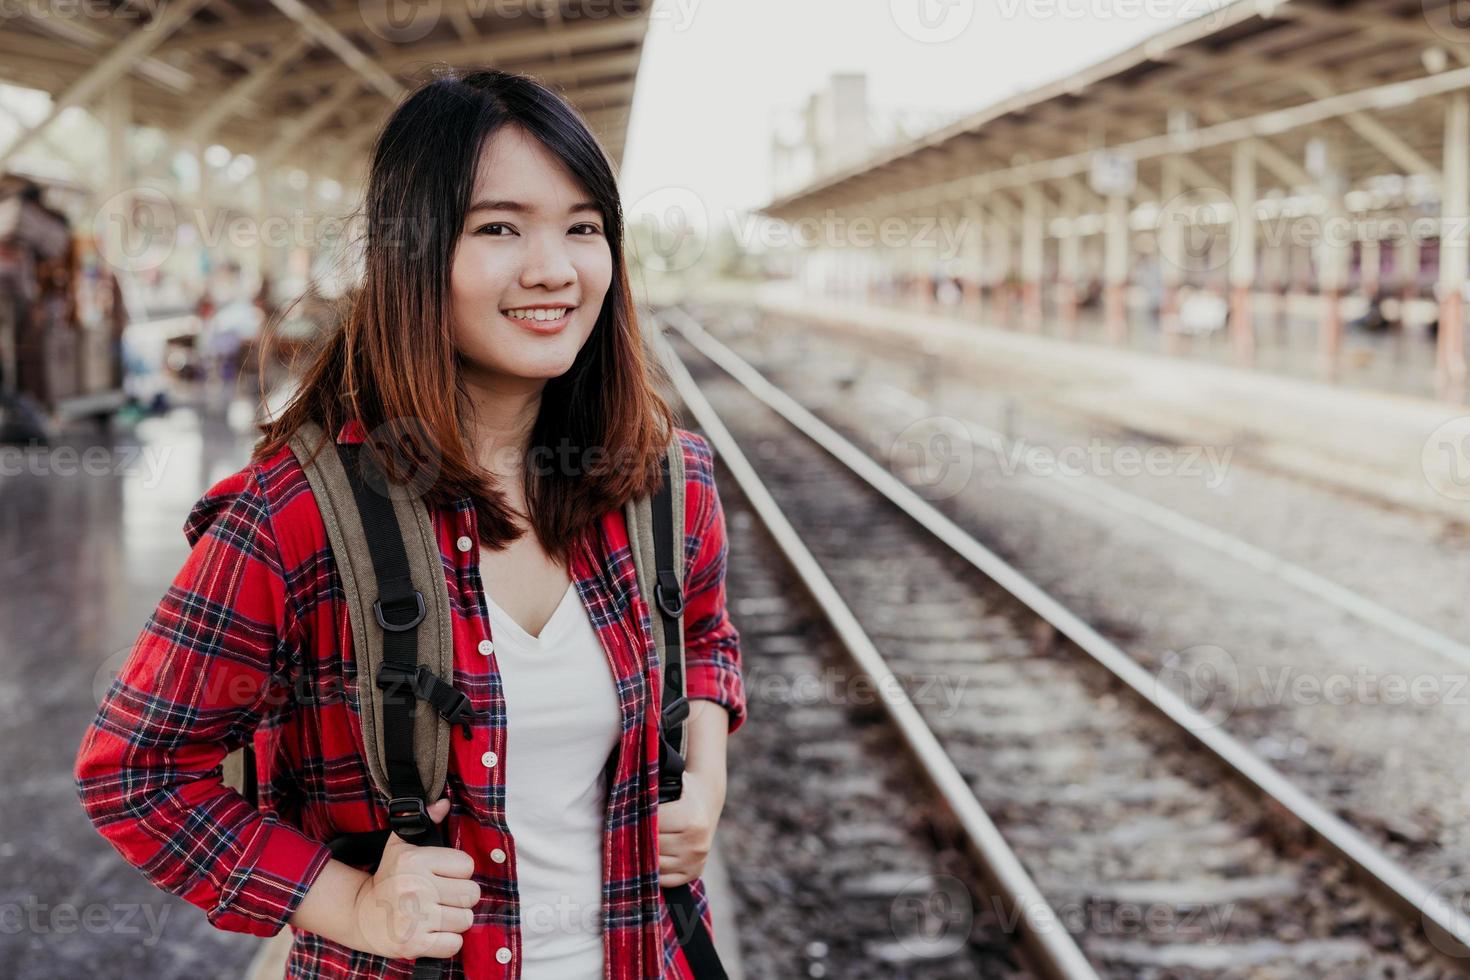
(253, 636)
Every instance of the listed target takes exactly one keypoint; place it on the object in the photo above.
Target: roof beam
(336, 42)
(113, 66)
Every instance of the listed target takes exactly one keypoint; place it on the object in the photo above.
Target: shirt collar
(351, 432)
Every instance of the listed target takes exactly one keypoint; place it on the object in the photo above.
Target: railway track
(1115, 831)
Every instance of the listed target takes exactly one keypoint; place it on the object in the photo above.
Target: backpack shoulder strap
(392, 574)
(656, 534)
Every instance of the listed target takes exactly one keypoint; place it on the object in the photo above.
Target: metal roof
(1289, 67)
(310, 85)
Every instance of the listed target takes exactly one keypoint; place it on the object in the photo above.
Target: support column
(1069, 261)
(1333, 250)
(1243, 252)
(1454, 250)
(974, 261)
(1116, 269)
(1033, 257)
(1000, 280)
(1171, 253)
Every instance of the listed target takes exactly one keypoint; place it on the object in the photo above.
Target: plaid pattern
(253, 635)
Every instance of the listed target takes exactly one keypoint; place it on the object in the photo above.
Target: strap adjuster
(408, 817)
(451, 703)
(675, 711)
(397, 608)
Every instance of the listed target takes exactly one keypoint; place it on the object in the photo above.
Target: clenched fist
(420, 900)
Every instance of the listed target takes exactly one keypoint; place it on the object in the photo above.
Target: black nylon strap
(689, 928)
(669, 603)
(399, 610)
(694, 939)
(400, 646)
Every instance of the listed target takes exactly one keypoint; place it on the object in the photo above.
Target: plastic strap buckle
(409, 818)
(676, 711)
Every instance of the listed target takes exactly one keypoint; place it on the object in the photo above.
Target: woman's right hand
(419, 900)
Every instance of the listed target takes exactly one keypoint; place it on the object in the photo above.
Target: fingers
(439, 809)
(446, 862)
(458, 893)
(443, 945)
(455, 920)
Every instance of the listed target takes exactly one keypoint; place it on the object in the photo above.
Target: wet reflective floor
(92, 536)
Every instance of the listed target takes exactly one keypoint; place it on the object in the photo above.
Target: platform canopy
(1360, 75)
(308, 85)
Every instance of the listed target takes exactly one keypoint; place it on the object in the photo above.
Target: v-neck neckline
(548, 632)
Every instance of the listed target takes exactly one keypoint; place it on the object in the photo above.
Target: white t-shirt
(562, 723)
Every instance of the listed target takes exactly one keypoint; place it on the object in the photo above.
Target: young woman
(493, 352)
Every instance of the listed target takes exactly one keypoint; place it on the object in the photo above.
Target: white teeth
(555, 314)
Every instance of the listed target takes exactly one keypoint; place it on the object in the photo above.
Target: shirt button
(486, 648)
(502, 954)
(489, 759)
(498, 856)
(464, 543)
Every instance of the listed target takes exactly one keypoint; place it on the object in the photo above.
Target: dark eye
(493, 224)
(591, 229)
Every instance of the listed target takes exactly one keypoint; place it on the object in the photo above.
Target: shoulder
(702, 511)
(274, 492)
(699, 461)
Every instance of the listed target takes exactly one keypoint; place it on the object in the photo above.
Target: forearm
(705, 753)
(330, 906)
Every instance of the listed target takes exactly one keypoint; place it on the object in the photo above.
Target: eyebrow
(520, 208)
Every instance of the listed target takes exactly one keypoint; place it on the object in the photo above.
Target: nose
(547, 264)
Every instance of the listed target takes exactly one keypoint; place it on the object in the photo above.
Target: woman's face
(533, 239)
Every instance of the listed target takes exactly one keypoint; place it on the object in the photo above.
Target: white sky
(713, 71)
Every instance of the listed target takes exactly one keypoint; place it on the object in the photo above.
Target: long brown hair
(393, 365)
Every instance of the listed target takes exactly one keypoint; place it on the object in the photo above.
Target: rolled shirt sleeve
(712, 668)
(213, 659)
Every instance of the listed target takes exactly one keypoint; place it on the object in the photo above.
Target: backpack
(386, 552)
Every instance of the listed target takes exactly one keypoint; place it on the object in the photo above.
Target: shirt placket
(492, 949)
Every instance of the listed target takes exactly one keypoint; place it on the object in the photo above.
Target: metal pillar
(1116, 269)
(1333, 250)
(1032, 257)
(1243, 251)
(1069, 261)
(1454, 250)
(974, 263)
(1171, 252)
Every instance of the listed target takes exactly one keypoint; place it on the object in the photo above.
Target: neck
(502, 415)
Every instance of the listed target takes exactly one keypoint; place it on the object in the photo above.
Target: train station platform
(1400, 449)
